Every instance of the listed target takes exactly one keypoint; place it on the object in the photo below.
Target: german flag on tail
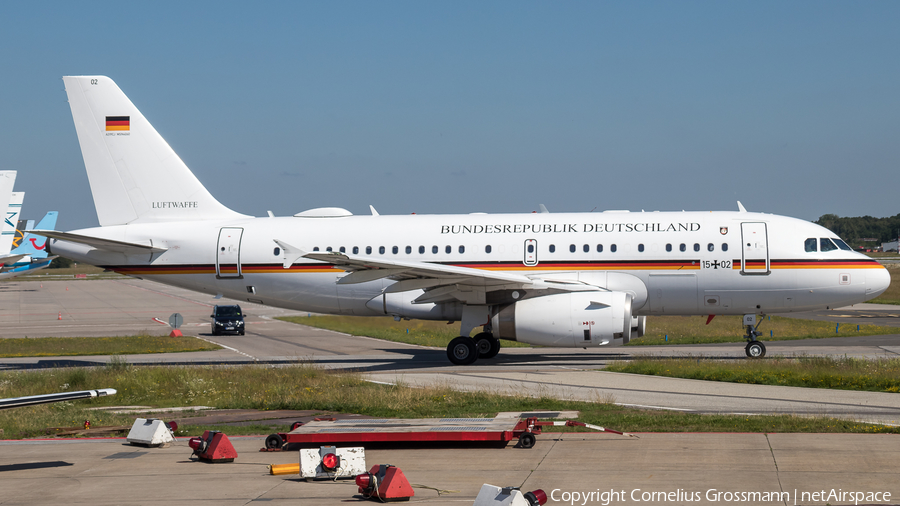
(118, 123)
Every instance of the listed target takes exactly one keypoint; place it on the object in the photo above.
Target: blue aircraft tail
(35, 245)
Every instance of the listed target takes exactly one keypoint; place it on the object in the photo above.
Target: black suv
(227, 319)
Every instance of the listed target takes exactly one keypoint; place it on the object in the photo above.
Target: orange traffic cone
(60, 316)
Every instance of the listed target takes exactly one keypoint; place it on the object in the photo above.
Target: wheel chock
(213, 446)
(491, 495)
(384, 483)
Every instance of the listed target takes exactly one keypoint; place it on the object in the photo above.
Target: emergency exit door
(228, 253)
(754, 249)
(531, 253)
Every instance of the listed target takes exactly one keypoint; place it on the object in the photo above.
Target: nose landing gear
(754, 348)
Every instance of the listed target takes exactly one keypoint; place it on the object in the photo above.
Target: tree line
(854, 230)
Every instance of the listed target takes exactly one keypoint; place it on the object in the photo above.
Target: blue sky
(457, 107)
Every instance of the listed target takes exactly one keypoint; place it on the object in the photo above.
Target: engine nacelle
(401, 304)
(570, 320)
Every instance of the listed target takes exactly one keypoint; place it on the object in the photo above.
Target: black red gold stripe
(647, 265)
(118, 123)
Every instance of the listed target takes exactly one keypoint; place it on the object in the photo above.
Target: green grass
(425, 333)
(881, 375)
(119, 345)
(308, 388)
(728, 329)
(892, 294)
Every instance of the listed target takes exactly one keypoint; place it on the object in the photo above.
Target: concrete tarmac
(753, 469)
(128, 306)
(100, 472)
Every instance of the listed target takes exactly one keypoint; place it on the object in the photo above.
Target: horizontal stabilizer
(11, 259)
(128, 248)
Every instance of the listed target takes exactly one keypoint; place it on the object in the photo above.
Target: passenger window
(408, 250)
(487, 249)
(368, 250)
(552, 248)
(462, 249)
(696, 246)
(531, 248)
(586, 248)
(381, 250)
(668, 247)
(448, 249)
(724, 246)
(682, 248)
(641, 248)
(421, 250)
(356, 250)
(810, 245)
(599, 248)
(315, 248)
(342, 249)
(711, 247)
(434, 249)
(825, 244)
(612, 248)
(277, 251)
(841, 244)
(571, 248)
(395, 250)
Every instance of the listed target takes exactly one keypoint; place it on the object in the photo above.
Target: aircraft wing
(26, 269)
(129, 248)
(32, 400)
(441, 283)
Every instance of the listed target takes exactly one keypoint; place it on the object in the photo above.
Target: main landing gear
(465, 350)
(754, 348)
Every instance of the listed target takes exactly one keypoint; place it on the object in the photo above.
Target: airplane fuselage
(674, 263)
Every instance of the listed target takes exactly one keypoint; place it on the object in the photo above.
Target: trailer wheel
(527, 440)
(274, 441)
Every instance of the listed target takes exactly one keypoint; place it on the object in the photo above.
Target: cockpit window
(825, 244)
(810, 245)
(841, 244)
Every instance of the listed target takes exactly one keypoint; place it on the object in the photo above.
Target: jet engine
(575, 319)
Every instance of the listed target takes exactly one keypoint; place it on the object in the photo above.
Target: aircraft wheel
(755, 349)
(527, 440)
(488, 346)
(462, 351)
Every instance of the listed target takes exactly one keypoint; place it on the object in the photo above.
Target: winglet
(289, 253)
(741, 207)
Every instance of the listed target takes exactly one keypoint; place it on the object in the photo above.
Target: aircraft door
(531, 258)
(228, 253)
(754, 249)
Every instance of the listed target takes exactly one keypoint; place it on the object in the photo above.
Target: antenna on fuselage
(741, 208)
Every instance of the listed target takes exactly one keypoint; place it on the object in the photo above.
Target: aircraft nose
(877, 281)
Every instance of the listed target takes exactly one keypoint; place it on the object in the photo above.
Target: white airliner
(558, 280)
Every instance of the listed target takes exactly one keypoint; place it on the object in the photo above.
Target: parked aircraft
(557, 280)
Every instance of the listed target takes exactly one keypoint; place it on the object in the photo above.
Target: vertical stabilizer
(7, 180)
(135, 176)
(10, 219)
(34, 245)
